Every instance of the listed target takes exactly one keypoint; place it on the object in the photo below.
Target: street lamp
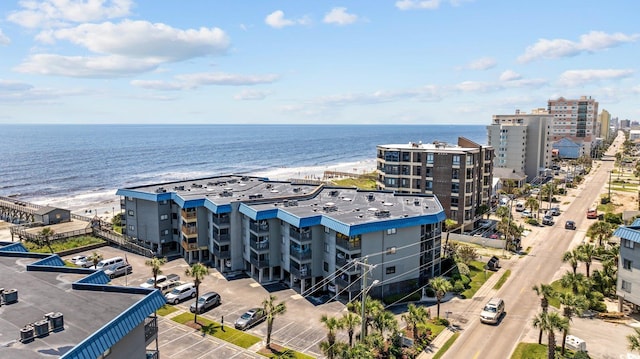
(362, 309)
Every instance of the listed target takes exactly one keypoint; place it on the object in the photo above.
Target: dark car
(118, 270)
(570, 225)
(250, 318)
(554, 211)
(547, 221)
(206, 302)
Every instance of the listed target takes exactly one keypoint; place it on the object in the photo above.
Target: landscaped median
(226, 333)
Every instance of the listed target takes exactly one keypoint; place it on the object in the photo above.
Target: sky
(312, 62)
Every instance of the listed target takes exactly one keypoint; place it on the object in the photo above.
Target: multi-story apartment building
(522, 142)
(459, 176)
(604, 122)
(308, 236)
(575, 120)
(628, 285)
(52, 310)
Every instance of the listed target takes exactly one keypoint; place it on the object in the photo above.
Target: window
(456, 160)
(325, 266)
(131, 212)
(132, 228)
(392, 231)
(391, 250)
(626, 286)
(129, 198)
(390, 270)
(429, 158)
(627, 243)
(165, 232)
(164, 217)
(626, 264)
(327, 230)
(326, 247)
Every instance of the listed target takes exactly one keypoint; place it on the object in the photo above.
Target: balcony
(259, 245)
(300, 255)
(259, 228)
(150, 329)
(302, 273)
(190, 231)
(345, 284)
(221, 220)
(347, 244)
(221, 254)
(189, 216)
(264, 263)
(153, 354)
(189, 246)
(300, 236)
(221, 238)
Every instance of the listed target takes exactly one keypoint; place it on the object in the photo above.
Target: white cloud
(510, 75)
(8, 85)
(157, 85)
(425, 93)
(417, 4)
(339, 16)
(483, 63)
(251, 95)
(86, 67)
(591, 42)
(582, 77)
(276, 19)
(52, 13)
(195, 80)
(4, 39)
(475, 86)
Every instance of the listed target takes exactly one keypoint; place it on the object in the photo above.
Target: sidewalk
(485, 291)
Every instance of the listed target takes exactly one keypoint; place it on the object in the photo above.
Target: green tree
(155, 264)
(384, 320)
(332, 324)
(285, 354)
(634, 340)
(482, 210)
(550, 322)
(95, 259)
(371, 308)
(440, 286)
(573, 258)
(198, 272)
(414, 315)
(449, 225)
(45, 235)
(271, 311)
(571, 304)
(116, 220)
(600, 230)
(350, 321)
(573, 281)
(533, 204)
(587, 254)
(502, 212)
(466, 254)
(544, 291)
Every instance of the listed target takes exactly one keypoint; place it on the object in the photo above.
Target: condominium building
(309, 236)
(52, 310)
(522, 142)
(575, 120)
(460, 176)
(628, 285)
(604, 123)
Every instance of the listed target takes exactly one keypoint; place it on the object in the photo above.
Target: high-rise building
(459, 176)
(522, 141)
(574, 120)
(604, 122)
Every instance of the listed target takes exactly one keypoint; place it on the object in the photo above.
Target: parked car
(592, 213)
(181, 293)
(485, 223)
(118, 270)
(570, 225)
(250, 318)
(206, 302)
(160, 279)
(554, 211)
(168, 286)
(526, 214)
(81, 261)
(547, 220)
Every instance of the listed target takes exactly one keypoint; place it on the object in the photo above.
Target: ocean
(85, 164)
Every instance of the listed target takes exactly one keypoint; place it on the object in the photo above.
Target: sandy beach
(105, 204)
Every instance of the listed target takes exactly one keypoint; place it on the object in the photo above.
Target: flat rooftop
(84, 312)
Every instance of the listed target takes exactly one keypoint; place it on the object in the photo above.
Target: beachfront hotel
(460, 176)
(52, 310)
(309, 236)
(575, 120)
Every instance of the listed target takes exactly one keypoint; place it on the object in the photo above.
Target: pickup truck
(160, 279)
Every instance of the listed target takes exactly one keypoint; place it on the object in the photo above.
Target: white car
(181, 293)
(527, 214)
(81, 261)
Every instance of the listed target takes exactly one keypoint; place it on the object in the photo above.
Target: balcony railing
(259, 246)
(348, 245)
(221, 238)
(300, 236)
(221, 254)
(150, 328)
(300, 273)
(221, 220)
(300, 255)
(264, 263)
(153, 354)
(355, 287)
(259, 228)
(190, 231)
(189, 215)
(189, 246)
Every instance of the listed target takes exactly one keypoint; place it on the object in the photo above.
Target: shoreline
(105, 204)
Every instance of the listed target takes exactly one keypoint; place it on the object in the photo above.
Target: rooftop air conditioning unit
(26, 333)
(179, 188)
(9, 296)
(161, 190)
(56, 321)
(42, 328)
(333, 193)
(370, 197)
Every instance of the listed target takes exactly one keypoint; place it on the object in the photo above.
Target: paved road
(542, 265)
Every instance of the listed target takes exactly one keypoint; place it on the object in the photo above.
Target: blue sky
(309, 62)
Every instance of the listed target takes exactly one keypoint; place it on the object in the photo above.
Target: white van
(181, 293)
(492, 311)
(520, 206)
(108, 263)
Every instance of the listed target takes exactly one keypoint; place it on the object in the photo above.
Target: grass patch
(446, 346)
(212, 328)
(539, 351)
(435, 329)
(502, 279)
(63, 244)
(478, 277)
(166, 310)
(367, 182)
(277, 350)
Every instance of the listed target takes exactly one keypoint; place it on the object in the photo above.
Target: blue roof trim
(247, 211)
(142, 195)
(268, 214)
(210, 205)
(103, 339)
(631, 234)
(636, 223)
(52, 261)
(14, 247)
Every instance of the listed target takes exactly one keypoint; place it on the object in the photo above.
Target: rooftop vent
(255, 196)
(382, 213)
(333, 193)
(161, 190)
(370, 197)
(329, 207)
(196, 185)
(244, 178)
(269, 185)
(179, 188)
(226, 193)
(233, 180)
(416, 202)
(297, 189)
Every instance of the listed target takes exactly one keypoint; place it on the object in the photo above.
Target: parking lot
(299, 328)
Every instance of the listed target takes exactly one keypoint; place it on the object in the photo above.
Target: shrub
(465, 280)
(458, 287)
(400, 297)
(430, 292)
(440, 321)
(463, 269)
(615, 218)
(532, 221)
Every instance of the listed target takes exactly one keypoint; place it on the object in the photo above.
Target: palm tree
(550, 322)
(414, 315)
(587, 253)
(45, 234)
(271, 311)
(371, 307)
(350, 321)
(332, 324)
(285, 354)
(384, 320)
(155, 264)
(634, 340)
(571, 304)
(544, 291)
(574, 281)
(95, 258)
(573, 257)
(449, 225)
(198, 272)
(502, 212)
(441, 286)
(600, 230)
(533, 204)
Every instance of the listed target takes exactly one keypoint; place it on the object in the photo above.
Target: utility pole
(365, 269)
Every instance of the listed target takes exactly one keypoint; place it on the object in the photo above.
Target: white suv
(181, 293)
